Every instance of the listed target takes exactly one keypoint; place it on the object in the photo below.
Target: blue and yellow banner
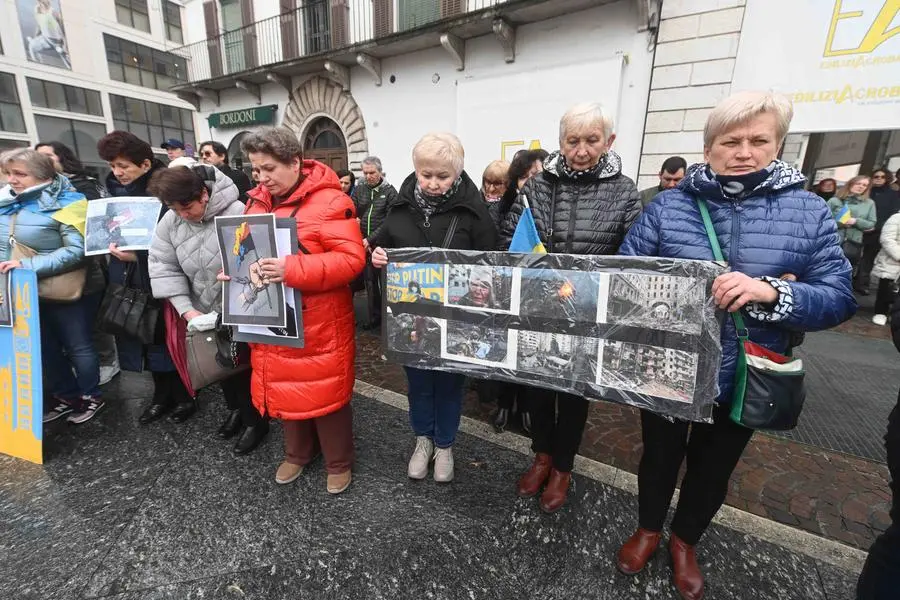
(21, 393)
(415, 282)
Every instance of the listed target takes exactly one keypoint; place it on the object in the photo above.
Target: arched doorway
(325, 143)
(236, 156)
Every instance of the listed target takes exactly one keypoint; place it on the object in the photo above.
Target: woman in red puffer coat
(309, 388)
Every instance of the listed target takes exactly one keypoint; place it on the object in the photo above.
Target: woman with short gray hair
(41, 210)
(788, 274)
(582, 204)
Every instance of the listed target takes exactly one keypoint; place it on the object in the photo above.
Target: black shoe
(251, 438)
(154, 412)
(231, 426)
(526, 422)
(500, 420)
(183, 411)
(862, 291)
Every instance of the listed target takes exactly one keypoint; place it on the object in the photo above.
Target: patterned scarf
(739, 186)
(428, 203)
(593, 172)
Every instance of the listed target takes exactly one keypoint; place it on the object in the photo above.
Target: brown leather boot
(634, 554)
(688, 579)
(531, 481)
(555, 493)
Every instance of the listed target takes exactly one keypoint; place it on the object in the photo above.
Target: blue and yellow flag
(843, 215)
(526, 239)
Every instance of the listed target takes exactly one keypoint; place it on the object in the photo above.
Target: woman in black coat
(133, 164)
(433, 200)
(582, 204)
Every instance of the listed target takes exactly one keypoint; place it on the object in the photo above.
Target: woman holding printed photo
(438, 205)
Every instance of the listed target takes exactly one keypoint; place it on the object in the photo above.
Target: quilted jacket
(776, 229)
(60, 247)
(309, 382)
(372, 207)
(184, 256)
(887, 262)
(861, 209)
(589, 215)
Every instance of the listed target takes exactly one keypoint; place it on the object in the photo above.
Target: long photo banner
(634, 330)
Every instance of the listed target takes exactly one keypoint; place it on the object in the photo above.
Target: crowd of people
(790, 252)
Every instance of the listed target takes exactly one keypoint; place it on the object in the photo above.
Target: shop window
(133, 13)
(47, 94)
(140, 65)
(80, 136)
(11, 118)
(152, 122)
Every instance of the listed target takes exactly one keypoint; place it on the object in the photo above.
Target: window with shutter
(340, 19)
(211, 16)
(383, 17)
(290, 39)
(451, 8)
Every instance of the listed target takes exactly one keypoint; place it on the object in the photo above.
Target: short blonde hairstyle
(738, 109)
(441, 147)
(585, 116)
(498, 169)
(40, 166)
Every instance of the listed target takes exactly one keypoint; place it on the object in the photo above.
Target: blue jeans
(67, 344)
(435, 404)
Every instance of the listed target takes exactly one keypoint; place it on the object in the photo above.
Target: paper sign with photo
(6, 301)
(129, 223)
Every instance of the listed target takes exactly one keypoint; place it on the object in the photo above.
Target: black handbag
(769, 388)
(127, 311)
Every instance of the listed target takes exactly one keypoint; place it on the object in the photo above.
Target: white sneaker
(443, 465)
(880, 319)
(107, 374)
(418, 463)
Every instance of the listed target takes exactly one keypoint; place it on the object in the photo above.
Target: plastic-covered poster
(640, 331)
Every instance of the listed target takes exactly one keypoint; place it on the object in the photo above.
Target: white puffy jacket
(887, 263)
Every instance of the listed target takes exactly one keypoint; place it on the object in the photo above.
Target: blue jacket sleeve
(67, 257)
(823, 296)
(643, 237)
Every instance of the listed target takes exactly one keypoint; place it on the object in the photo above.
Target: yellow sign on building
(21, 395)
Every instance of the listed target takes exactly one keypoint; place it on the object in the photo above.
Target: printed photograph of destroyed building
(664, 302)
(647, 370)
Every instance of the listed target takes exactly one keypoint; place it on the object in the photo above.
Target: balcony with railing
(339, 31)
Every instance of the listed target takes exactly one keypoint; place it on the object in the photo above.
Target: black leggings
(557, 424)
(884, 297)
(712, 451)
(236, 390)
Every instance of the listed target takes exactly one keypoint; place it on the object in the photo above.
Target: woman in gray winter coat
(184, 262)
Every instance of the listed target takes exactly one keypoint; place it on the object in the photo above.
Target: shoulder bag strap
(742, 332)
(451, 231)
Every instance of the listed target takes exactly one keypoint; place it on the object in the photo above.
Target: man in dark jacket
(582, 204)
(372, 197)
(670, 174)
(215, 154)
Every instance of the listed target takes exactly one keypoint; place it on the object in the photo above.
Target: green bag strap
(742, 332)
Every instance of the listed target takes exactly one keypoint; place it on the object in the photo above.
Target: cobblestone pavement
(830, 493)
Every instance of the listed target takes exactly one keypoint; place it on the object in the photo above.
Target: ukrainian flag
(843, 215)
(526, 239)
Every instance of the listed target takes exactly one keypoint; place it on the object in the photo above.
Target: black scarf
(428, 203)
(739, 186)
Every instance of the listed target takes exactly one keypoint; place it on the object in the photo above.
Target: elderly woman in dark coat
(582, 204)
(788, 274)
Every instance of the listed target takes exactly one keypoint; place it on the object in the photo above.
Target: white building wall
(693, 68)
(85, 22)
(606, 57)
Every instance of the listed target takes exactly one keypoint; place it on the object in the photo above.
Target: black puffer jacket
(372, 206)
(404, 226)
(578, 216)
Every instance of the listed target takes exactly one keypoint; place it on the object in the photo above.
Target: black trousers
(880, 577)
(871, 246)
(236, 390)
(557, 424)
(504, 393)
(712, 451)
(373, 293)
(885, 297)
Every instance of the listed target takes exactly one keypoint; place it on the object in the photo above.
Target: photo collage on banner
(619, 332)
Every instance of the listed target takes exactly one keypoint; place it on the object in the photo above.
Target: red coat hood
(316, 176)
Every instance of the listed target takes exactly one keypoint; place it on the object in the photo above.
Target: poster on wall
(495, 126)
(43, 32)
(841, 68)
(640, 331)
(21, 375)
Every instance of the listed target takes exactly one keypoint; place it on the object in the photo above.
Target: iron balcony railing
(314, 27)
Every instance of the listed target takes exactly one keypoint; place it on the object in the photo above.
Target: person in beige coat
(887, 269)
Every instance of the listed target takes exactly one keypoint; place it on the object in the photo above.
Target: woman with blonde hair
(855, 214)
(438, 205)
(494, 183)
(767, 225)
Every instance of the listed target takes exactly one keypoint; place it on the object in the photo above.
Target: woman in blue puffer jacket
(41, 209)
(768, 227)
